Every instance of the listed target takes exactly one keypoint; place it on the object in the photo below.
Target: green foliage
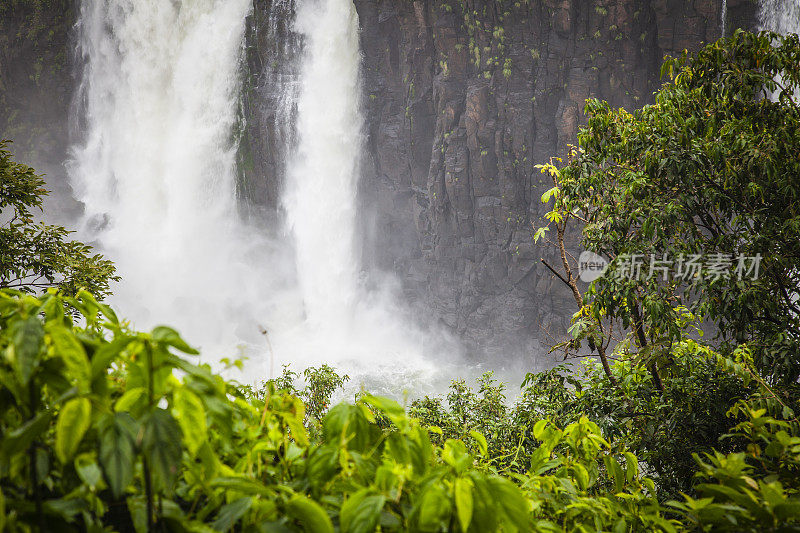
(756, 490)
(663, 430)
(98, 430)
(320, 385)
(34, 255)
(710, 169)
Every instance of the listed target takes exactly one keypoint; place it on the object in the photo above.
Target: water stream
(156, 173)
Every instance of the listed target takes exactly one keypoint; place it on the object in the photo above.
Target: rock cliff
(36, 86)
(463, 99)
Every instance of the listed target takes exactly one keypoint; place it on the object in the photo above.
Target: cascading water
(156, 171)
(780, 16)
(156, 174)
(368, 333)
(723, 17)
(320, 199)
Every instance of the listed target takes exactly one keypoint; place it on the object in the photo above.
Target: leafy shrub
(107, 427)
(663, 431)
(34, 256)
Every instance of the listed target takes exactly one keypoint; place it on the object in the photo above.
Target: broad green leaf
(208, 458)
(361, 512)
(294, 419)
(231, 513)
(348, 424)
(170, 337)
(161, 445)
(420, 450)
(71, 351)
(613, 468)
(462, 489)
(117, 451)
(195, 371)
(64, 508)
(88, 471)
(313, 518)
(91, 302)
(434, 508)
(549, 193)
(322, 463)
(244, 485)
(137, 508)
(538, 429)
(191, 416)
(455, 454)
(131, 400)
(393, 410)
(26, 336)
(171, 510)
(19, 439)
(513, 503)
(73, 421)
(581, 475)
(483, 447)
(398, 448)
(632, 469)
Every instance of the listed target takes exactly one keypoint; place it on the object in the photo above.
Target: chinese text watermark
(684, 267)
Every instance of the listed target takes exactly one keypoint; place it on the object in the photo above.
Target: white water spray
(780, 16)
(368, 333)
(156, 172)
(723, 17)
(320, 198)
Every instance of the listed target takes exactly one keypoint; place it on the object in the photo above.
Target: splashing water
(780, 16)
(320, 201)
(156, 173)
(723, 17)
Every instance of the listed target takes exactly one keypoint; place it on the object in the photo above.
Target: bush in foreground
(104, 428)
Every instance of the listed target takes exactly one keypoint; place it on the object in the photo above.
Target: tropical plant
(701, 189)
(33, 255)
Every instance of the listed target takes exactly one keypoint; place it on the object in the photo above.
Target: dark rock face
(463, 99)
(36, 87)
(271, 50)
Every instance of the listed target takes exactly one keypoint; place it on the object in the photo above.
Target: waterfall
(158, 108)
(780, 16)
(155, 170)
(320, 198)
(723, 17)
(369, 333)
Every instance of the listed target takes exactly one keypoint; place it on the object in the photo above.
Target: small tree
(710, 172)
(33, 255)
